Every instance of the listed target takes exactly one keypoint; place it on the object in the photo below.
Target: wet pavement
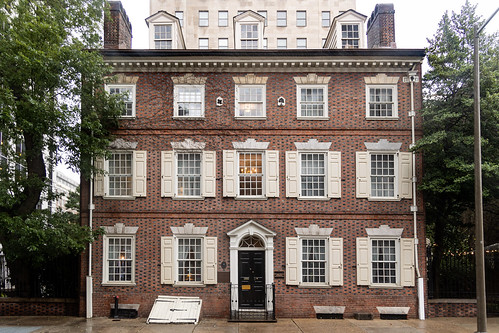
(302, 325)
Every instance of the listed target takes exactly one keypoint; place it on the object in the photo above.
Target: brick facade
(381, 27)
(117, 28)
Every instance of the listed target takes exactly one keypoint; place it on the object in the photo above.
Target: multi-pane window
(127, 93)
(312, 101)
(282, 43)
(381, 102)
(249, 36)
(120, 174)
(301, 18)
(250, 174)
(384, 261)
(119, 259)
(250, 101)
(203, 43)
(264, 14)
(313, 260)
(326, 19)
(180, 16)
(189, 260)
(189, 174)
(313, 175)
(350, 36)
(163, 36)
(189, 100)
(223, 43)
(223, 18)
(282, 18)
(383, 175)
(301, 43)
(203, 18)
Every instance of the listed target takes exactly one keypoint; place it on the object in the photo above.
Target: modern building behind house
(262, 163)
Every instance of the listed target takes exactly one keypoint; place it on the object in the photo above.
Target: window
(188, 101)
(163, 36)
(326, 19)
(250, 174)
(125, 175)
(301, 18)
(189, 257)
(223, 43)
(381, 101)
(384, 173)
(264, 14)
(384, 258)
(250, 101)
(265, 43)
(282, 18)
(312, 101)
(128, 95)
(203, 18)
(313, 175)
(119, 255)
(187, 173)
(180, 16)
(313, 258)
(282, 43)
(324, 41)
(350, 36)
(223, 18)
(301, 43)
(203, 43)
(249, 36)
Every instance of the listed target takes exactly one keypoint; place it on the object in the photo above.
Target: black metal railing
(264, 313)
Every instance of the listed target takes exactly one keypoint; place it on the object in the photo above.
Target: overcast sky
(415, 21)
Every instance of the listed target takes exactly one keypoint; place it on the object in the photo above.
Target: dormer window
(165, 31)
(346, 31)
(163, 36)
(248, 28)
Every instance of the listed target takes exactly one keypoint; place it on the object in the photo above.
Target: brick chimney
(117, 28)
(381, 27)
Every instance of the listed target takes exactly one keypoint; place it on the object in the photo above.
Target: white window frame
(105, 275)
(203, 43)
(326, 19)
(177, 187)
(347, 39)
(394, 101)
(223, 43)
(324, 102)
(177, 101)
(326, 262)
(238, 101)
(132, 97)
(284, 44)
(180, 15)
(203, 21)
(301, 43)
(252, 38)
(166, 39)
(395, 175)
(301, 21)
(177, 260)
(397, 261)
(283, 20)
(240, 175)
(223, 21)
(325, 174)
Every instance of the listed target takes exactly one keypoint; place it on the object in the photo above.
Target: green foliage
(447, 145)
(54, 107)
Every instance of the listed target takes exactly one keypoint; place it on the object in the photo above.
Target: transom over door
(251, 279)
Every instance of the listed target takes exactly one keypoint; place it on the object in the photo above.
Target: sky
(415, 21)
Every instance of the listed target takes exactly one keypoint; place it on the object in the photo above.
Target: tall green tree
(447, 145)
(52, 110)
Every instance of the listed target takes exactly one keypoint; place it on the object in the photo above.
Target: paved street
(106, 325)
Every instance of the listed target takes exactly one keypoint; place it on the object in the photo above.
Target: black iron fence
(265, 313)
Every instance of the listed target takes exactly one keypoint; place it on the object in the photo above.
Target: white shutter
(209, 174)
(336, 261)
(362, 176)
(272, 173)
(405, 175)
(291, 174)
(334, 174)
(407, 262)
(230, 173)
(210, 260)
(167, 173)
(140, 173)
(363, 261)
(167, 260)
(99, 177)
(292, 260)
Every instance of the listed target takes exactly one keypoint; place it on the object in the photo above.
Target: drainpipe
(413, 77)
(89, 284)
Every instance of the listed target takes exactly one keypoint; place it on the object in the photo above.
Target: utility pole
(479, 248)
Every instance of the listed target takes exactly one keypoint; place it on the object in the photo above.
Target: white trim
(105, 263)
(108, 87)
(325, 103)
(263, 101)
(176, 101)
(393, 87)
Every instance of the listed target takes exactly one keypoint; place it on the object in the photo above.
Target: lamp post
(479, 249)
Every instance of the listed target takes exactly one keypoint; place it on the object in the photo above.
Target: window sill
(312, 118)
(322, 286)
(194, 285)
(188, 198)
(127, 117)
(118, 198)
(385, 287)
(250, 118)
(189, 118)
(383, 199)
(314, 198)
(118, 284)
(251, 198)
(382, 118)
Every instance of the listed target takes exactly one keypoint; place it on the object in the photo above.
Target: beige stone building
(257, 24)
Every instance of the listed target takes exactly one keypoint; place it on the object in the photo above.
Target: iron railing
(266, 313)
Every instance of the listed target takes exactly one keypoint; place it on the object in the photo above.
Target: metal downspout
(89, 284)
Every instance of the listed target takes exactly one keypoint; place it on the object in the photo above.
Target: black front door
(252, 279)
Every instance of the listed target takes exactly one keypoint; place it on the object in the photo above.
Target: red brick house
(261, 180)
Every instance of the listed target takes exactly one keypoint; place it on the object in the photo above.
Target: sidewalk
(106, 325)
